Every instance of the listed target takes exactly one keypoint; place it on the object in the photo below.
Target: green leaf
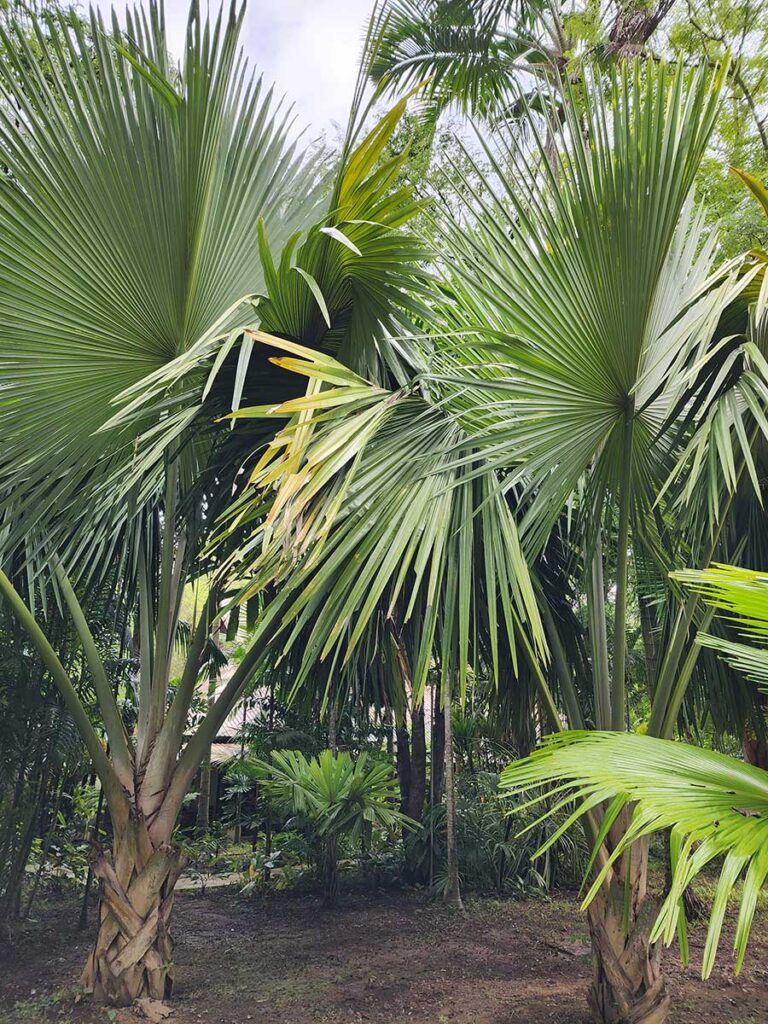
(717, 806)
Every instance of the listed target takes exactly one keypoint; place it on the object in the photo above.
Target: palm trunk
(417, 787)
(627, 984)
(403, 761)
(331, 872)
(133, 955)
(438, 750)
(452, 888)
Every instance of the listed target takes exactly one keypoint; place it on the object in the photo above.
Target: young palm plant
(340, 797)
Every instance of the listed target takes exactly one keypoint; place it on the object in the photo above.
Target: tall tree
(581, 407)
(144, 202)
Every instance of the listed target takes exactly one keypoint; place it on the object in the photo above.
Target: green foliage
(145, 245)
(338, 795)
(705, 30)
(327, 467)
(493, 858)
(715, 806)
(740, 596)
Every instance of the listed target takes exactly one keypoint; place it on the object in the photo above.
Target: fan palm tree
(144, 204)
(341, 797)
(575, 354)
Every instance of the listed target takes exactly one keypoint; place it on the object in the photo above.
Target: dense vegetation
(393, 507)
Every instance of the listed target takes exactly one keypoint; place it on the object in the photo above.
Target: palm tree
(575, 363)
(714, 805)
(481, 56)
(339, 796)
(144, 204)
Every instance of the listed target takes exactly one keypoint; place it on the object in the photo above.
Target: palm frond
(354, 528)
(714, 805)
(577, 304)
(466, 53)
(739, 595)
(129, 211)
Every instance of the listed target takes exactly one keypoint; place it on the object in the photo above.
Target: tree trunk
(452, 888)
(133, 955)
(754, 748)
(418, 766)
(331, 879)
(403, 764)
(438, 750)
(627, 984)
(81, 924)
(203, 819)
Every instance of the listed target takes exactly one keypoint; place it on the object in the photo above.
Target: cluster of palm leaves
(225, 356)
(339, 796)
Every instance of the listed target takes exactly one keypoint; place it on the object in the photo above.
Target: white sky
(308, 48)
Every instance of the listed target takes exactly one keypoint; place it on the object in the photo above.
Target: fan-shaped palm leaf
(466, 52)
(129, 214)
(577, 304)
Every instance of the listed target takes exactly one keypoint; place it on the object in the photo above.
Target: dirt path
(388, 958)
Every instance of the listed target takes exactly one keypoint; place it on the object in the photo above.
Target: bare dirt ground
(384, 958)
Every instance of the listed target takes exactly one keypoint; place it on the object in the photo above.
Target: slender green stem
(116, 796)
(541, 682)
(661, 720)
(166, 608)
(560, 662)
(113, 722)
(192, 755)
(683, 679)
(599, 637)
(619, 688)
(145, 655)
(172, 733)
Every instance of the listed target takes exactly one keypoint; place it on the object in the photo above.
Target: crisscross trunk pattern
(133, 955)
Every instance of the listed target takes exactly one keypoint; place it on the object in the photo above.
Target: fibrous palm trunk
(331, 872)
(627, 984)
(133, 955)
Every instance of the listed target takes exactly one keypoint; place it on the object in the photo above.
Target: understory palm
(339, 796)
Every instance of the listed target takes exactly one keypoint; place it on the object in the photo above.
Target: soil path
(386, 958)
